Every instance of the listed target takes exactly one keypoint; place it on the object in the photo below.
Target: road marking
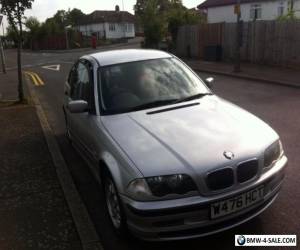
(36, 65)
(34, 80)
(37, 81)
(52, 67)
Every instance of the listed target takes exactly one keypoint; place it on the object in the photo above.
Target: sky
(42, 9)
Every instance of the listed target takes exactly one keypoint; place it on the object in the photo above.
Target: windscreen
(130, 85)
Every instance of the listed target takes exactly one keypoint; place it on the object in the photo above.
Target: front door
(82, 125)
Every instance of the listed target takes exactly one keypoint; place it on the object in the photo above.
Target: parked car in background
(176, 161)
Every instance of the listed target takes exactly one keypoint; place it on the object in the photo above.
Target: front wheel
(114, 205)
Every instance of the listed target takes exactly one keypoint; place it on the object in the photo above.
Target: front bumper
(190, 217)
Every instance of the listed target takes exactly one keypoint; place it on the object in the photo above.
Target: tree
(59, 20)
(14, 10)
(56, 25)
(291, 13)
(73, 16)
(139, 7)
(53, 27)
(11, 35)
(179, 15)
(153, 21)
(33, 26)
(158, 17)
(162, 5)
(289, 16)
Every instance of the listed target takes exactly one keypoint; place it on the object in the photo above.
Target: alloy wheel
(113, 204)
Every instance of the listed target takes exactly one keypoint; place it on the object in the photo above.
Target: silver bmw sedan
(175, 160)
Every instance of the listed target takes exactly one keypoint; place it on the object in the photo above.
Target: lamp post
(123, 19)
(67, 40)
(63, 20)
(67, 37)
(237, 11)
(2, 51)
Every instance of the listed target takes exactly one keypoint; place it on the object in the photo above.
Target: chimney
(117, 8)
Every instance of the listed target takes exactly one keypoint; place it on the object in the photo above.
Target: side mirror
(209, 82)
(78, 106)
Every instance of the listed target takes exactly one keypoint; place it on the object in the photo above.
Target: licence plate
(236, 203)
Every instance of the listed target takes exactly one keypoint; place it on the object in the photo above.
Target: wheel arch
(109, 165)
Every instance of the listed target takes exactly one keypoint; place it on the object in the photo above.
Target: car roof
(112, 57)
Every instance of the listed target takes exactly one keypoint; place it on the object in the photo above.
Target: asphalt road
(279, 106)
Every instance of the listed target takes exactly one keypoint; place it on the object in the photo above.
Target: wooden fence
(58, 42)
(265, 42)
(192, 39)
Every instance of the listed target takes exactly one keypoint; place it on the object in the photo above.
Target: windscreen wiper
(192, 97)
(153, 104)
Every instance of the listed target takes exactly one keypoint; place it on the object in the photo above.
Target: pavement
(40, 207)
(8, 86)
(33, 210)
(278, 105)
(266, 74)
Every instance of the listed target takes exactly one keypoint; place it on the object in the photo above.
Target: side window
(82, 84)
(73, 78)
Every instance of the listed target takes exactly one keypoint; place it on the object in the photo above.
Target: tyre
(114, 206)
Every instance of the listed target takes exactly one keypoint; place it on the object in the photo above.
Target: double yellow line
(37, 81)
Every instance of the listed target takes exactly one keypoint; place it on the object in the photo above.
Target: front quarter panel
(118, 163)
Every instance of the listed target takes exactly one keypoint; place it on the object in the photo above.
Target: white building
(223, 10)
(108, 24)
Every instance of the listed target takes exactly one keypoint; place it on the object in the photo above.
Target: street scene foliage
(291, 13)
(159, 19)
(53, 26)
(14, 10)
(162, 18)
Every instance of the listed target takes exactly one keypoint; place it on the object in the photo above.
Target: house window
(112, 27)
(255, 11)
(281, 8)
(129, 27)
(124, 26)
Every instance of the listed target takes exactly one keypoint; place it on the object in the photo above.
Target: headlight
(139, 190)
(171, 184)
(273, 153)
(159, 186)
